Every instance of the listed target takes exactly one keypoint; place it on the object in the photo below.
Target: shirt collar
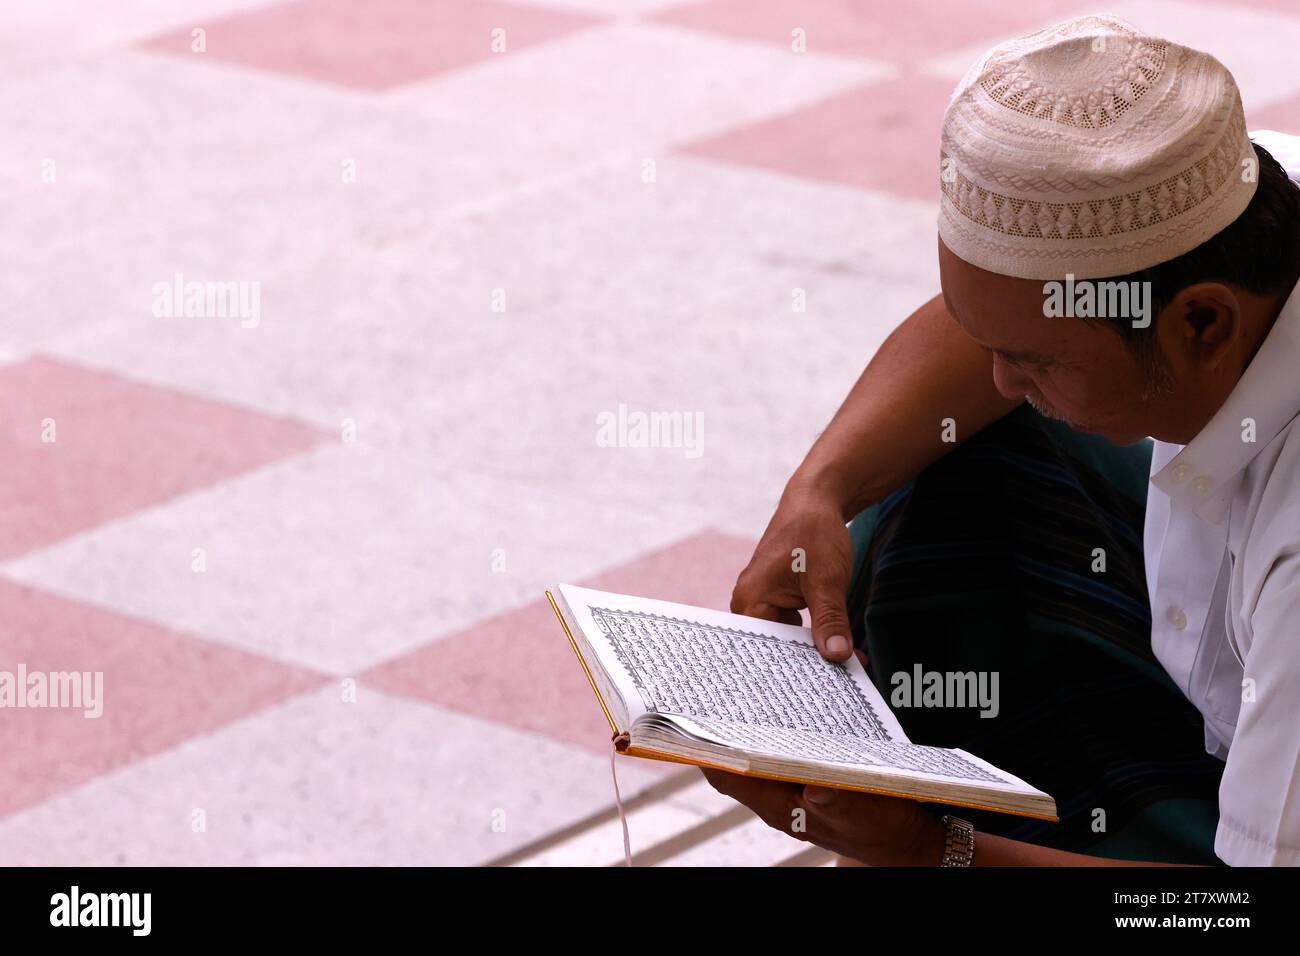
(1206, 473)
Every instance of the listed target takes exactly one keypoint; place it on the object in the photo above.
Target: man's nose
(1009, 380)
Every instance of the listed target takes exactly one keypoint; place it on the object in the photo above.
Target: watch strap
(958, 841)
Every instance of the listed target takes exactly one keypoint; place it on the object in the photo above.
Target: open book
(755, 697)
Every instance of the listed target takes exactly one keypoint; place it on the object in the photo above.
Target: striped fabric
(1020, 554)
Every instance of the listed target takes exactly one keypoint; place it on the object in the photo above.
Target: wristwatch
(958, 841)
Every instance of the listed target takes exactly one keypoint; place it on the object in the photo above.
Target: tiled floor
(307, 552)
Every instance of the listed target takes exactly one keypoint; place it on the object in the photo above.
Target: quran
(756, 697)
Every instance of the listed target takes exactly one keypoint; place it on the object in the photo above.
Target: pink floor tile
(118, 446)
(518, 668)
(868, 27)
(882, 136)
(378, 44)
(159, 688)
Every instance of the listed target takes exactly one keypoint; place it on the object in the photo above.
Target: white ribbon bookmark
(618, 802)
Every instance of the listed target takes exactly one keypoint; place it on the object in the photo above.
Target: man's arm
(1259, 796)
(875, 830)
(890, 425)
(888, 429)
(993, 850)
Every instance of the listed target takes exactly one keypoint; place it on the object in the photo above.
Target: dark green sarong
(985, 563)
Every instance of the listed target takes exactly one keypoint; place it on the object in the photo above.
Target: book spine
(615, 733)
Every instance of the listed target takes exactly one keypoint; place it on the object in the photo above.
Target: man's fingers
(818, 585)
(770, 612)
(772, 800)
(754, 600)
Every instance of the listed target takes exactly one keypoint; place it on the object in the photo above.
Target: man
(1150, 655)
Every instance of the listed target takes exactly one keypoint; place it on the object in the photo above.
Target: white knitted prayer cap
(1089, 148)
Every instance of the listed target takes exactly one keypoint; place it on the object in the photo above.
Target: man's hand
(878, 831)
(805, 559)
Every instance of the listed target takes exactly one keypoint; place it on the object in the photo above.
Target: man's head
(1107, 230)
(1207, 311)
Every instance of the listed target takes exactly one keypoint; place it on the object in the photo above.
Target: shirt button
(1179, 473)
(1201, 485)
(1177, 618)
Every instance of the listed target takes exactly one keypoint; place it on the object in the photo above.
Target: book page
(736, 671)
(916, 759)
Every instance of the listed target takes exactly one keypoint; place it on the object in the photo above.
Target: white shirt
(1222, 548)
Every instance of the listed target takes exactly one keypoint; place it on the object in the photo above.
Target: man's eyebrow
(1010, 355)
(1013, 356)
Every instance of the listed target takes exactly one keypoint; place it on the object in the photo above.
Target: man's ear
(1202, 323)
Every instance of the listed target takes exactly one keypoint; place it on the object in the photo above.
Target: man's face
(1069, 369)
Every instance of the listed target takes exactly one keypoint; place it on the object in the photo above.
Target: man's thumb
(830, 624)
